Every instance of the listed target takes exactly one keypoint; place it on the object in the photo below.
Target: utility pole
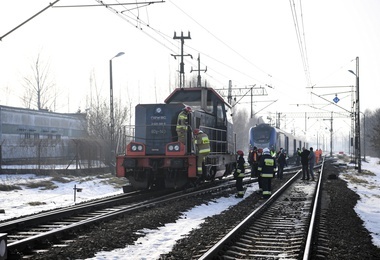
(331, 133)
(357, 117)
(278, 120)
(199, 84)
(229, 95)
(182, 65)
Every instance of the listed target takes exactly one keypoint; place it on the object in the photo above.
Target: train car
(155, 158)
(264, 135)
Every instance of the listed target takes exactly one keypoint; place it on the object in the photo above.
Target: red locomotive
(155, 158)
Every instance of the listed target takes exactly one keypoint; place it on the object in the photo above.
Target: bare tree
(242, 131)
(98, 119)
(40, 89)
(98, 114)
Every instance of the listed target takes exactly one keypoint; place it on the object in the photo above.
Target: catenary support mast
(182, 65)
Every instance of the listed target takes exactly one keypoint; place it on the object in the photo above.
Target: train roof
(265, 125)
(192, 95)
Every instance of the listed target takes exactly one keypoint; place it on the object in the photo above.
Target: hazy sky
(246, 41)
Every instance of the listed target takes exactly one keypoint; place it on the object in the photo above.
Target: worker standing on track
(202, 144)
(253, 161)
(281, 164)
(298, 156)
(182, 124)
(311, 158)
(305, 163)
(239, 174)
(259, 179)
(267, 169)
(317, 156)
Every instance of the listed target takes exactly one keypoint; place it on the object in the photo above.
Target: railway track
(280, 228)
(38, 233)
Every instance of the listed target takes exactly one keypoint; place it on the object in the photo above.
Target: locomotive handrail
(218, 142)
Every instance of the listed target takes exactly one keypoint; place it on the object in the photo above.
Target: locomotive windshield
(261, 135)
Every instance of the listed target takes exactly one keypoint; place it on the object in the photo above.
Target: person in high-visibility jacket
(239, 174)
(182, 124)
(202, 145)
(267, 168)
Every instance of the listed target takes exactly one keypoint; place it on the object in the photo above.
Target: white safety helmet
(266, 151)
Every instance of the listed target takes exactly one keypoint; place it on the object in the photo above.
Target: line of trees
(370, 132)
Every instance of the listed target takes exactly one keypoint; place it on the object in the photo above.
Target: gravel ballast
(348, 239)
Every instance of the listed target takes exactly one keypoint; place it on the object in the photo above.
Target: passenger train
(266, 136)
(155, 158)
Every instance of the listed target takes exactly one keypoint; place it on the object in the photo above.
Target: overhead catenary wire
(301, 39)
(218, 39)
(131, 16)
(166, 40)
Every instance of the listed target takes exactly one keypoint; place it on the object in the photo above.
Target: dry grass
(5, 187)
(60, 179)
(366, 173)
(354, 179)
(36, 203)
(116, 182)
(343, 157)
(43, 185)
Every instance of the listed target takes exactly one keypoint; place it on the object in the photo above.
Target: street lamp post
(357, 128)
(112, 123)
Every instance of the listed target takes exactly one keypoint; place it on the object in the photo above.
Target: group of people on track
(265, 163)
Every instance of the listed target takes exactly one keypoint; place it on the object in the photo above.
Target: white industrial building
(45, 139)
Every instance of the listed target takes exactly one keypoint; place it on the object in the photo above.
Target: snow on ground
(26, 201)
(155, 242)
(160, 241)
(367, 186)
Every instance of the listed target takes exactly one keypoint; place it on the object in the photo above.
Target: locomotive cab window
(220, 115)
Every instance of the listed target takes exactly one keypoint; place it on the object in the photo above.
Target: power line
(43, 10)
(301, 43)
(221, 41)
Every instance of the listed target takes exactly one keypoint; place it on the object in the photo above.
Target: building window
(58, 137)
(27, 135)
(36, 136)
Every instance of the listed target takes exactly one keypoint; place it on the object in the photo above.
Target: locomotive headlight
(140, 148)
(175, 149)
(134, 148)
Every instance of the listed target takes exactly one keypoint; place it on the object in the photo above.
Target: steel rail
(103, 216)
(214, 250)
